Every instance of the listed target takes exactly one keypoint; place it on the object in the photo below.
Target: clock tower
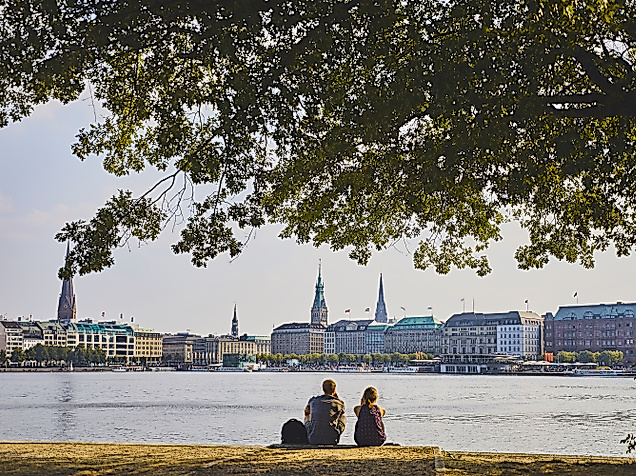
(319, 311)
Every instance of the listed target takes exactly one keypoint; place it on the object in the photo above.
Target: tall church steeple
(380, 308)
(319, 311)
(66, 310)
(235, 331)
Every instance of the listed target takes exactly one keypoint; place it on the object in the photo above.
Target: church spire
(319, 310)
(235, 330)
(66, 309)
(380, 308)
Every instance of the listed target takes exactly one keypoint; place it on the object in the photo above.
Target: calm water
(567, 415)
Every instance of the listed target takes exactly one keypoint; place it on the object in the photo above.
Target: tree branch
(297, 48)
(589, 62)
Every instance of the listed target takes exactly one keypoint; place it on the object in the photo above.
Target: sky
(43, 186)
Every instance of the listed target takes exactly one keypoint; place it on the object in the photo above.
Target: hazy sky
(42, 186)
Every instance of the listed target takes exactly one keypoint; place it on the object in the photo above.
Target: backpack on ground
(294, 433)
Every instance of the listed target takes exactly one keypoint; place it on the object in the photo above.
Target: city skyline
(42, 186)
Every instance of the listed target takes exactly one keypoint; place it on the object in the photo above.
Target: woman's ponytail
(370, 396)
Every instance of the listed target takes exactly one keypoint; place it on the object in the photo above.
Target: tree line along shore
(54, 358)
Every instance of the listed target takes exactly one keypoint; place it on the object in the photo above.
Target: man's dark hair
(329, 386)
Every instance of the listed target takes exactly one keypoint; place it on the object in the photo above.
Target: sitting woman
(369, 427)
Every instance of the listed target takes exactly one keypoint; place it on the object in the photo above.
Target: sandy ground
(93, 459)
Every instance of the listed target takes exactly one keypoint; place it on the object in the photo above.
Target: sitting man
(324, 416)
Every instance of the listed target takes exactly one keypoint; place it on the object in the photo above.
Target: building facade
(472, 333)
(347, 336)
(178, 349)
(31, 335)
(375, 337)
(11, 336)
(298, 338)
(595, 327)
(116, 340)
(54, 333)
(414, 334)
(521, 335)
(148, 347)
(211, 350)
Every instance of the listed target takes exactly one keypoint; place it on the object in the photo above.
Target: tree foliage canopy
(353, 123)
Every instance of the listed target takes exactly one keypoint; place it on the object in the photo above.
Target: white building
(506, 333)
(347, 336)
(11, 336)
(521, 336)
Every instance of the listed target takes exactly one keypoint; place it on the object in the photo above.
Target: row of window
(593, 334)
(608, 325)
(599, 343)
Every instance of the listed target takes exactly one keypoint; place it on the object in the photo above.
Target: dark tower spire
(235, 331)
(66, 310)
(319, 310)
(380, 308)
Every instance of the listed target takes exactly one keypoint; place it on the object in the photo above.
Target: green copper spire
(319, 310)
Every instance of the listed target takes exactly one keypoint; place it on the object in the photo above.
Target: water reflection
(64, 411)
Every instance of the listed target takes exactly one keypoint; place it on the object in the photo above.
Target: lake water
(565, 415)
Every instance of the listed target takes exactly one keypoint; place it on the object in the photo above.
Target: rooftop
(466, 319)
(418, 321)
(596, 311)
(299, 325)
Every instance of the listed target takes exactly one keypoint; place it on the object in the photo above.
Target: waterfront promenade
(92, 459)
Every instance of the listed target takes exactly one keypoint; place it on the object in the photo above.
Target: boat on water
(353, 369)
(601, 373)
(401, 370)
(119, 369)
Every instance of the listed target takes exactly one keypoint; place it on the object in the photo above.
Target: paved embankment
(95, 459)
